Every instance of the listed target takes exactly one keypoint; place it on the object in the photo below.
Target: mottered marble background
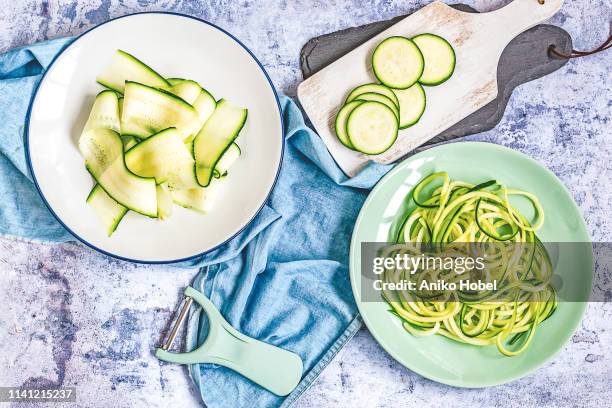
(72, 317)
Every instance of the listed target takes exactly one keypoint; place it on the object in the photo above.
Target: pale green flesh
(161, 156)
(218, 133)
(100, 148)
(128, 142)
(104, 113)
(174, 81)
(103, 153)
(108, 210)
(439, 58)
(397, 62)
(376, 88)
(164, 202)
(375, 97)
(228, 159)
(205, 105)
(372, 128)
(120, 110)
(147, 111)
(412, 104)
(200, 198)
(126, 157)
(341, 118)
(187, 90)
(125, 67)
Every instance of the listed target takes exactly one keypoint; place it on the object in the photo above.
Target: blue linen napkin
(283, 280)
(22, 212)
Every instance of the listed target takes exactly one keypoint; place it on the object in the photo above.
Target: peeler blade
(179, 319)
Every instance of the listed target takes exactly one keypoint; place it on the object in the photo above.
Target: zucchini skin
(150, 215)
(416, 119)
(355, 145)
(376, 97)
(140, 64)
(219, 158)
(454, 60)
(97, 189)
(143, 102)
(372, 88)
(228, 140)
(98, 174)
(383, 80)
(340, 123)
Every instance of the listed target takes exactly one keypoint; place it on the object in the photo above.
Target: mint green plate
(436, 357)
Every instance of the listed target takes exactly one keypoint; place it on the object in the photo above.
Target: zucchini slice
(226, 161)
(128, 142)
(104, 113)
(103, 153)
(439, 58)
(216, 136)
(125, 67)
(199, 199)
(341, 119)
(174, 81)
(148, 110)
(397, 62)
(376, 97)
(162, 156)
(164, 202)
(187, 90)
(376, 88)
(372, 127)
(108, 210)
(120, 108)
(412, 104)
(205, 105)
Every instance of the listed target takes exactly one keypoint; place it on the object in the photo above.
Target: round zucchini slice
(412, 104)
(372, 128)
(341, 119)
(397, 62)
(439, 59)
(376, 97)
(376, 88)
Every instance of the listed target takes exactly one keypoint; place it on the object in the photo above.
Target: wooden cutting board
(478, 39)
(524, 59)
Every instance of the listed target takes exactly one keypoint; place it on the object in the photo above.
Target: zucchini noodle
(444, 213)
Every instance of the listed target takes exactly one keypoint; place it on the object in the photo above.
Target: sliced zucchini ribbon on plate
(152, 141)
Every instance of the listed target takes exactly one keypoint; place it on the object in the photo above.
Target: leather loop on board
(577, 54)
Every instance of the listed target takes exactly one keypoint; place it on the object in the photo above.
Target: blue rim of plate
(29, 160)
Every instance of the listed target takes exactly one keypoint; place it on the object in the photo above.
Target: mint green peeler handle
(275, 369)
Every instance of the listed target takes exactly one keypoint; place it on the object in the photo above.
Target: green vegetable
(445, 213)
(401, 65)
(151, 142)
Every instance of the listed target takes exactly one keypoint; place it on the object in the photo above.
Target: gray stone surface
(69, 315)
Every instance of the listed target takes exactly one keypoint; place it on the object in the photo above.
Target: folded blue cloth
(284, 280)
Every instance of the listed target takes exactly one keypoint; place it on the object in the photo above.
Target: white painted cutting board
(478, 40)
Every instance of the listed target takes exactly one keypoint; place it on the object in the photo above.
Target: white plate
(175, 46)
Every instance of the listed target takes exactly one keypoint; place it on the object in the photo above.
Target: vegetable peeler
(277, 370)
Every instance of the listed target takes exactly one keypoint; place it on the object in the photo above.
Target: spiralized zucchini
(446, 213)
